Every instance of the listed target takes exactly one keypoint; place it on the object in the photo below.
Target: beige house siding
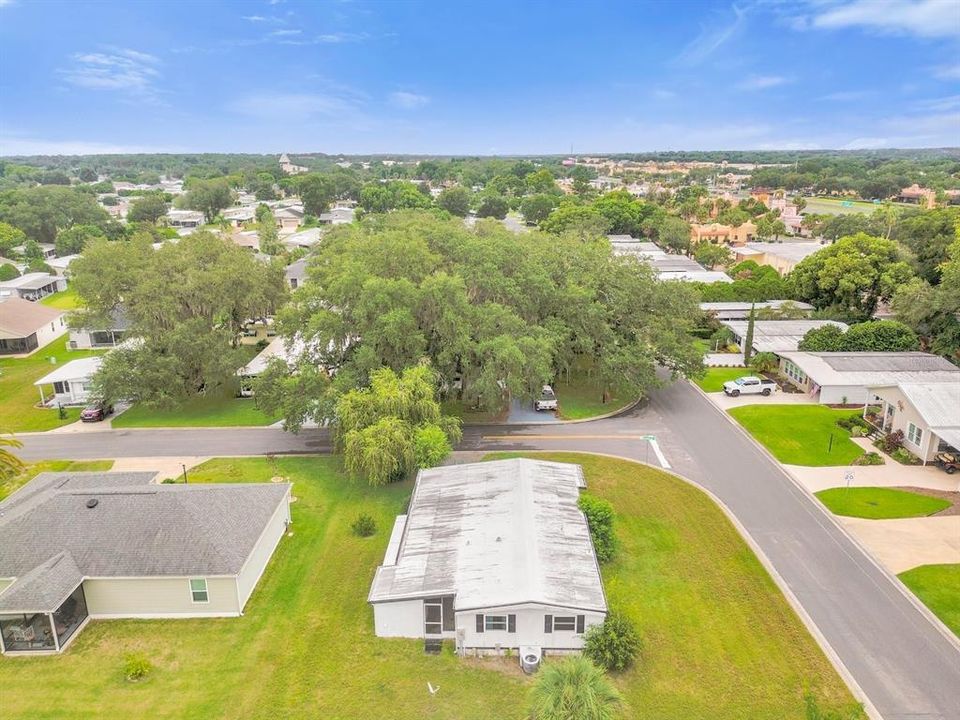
(262, 552)
(904, 414)
(159, 597)
(401, 618)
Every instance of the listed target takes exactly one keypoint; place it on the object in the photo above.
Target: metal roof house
(33, 286)
(741, 310)
(72, 382)
(89, 545)
(776, 336)
(494, 555)
(837, 378)
(928, 413)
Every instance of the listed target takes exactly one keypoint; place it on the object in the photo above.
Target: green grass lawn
(18, 396)
(469, 415)
(800, 434)
(34, 469)
(938, 587)
(715, 377)
(582, 397)
(880, 503)
(64, 300)
(201, 412)
(720, 641)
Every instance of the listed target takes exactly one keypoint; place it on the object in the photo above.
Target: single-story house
(289, 218)
(494, 555)
(719, 234)
(72, 382)
(185, 218)
(776, 336)
(61, 266)
(247, 239)
(26, 326)
(114, 333)
(237, 216)
(255, 331)
(305, 239)
(102, 545)
(701, 275)
(296, 273)
(837, 378)
(33, 286)
(741, 310)
(337, 216)
(928, 413)
(783, 257)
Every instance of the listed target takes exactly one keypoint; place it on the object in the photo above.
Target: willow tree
(10, 464)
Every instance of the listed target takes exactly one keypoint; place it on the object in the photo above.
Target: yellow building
(719, 234)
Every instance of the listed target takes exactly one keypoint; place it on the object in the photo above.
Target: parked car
(948, 462)
(749, 385)
(547, 399)
(95, 413)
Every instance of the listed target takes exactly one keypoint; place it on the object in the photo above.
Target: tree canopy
(497, 314)
(41, 212)
(187, 304)
(875, 335)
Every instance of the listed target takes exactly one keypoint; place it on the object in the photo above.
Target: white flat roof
(873, 368)
(494, 534)
(80, 369)
(778, 336)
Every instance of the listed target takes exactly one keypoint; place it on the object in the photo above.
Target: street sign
(848, 477)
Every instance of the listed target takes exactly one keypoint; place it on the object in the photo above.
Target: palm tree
(574, 689)
(10, 464)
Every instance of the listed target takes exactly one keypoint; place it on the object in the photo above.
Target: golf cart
(948, 462)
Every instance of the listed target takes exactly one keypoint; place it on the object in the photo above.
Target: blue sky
(477, 77)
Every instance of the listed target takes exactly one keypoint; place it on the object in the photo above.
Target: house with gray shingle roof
(88, 545)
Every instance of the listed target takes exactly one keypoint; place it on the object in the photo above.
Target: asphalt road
(906, 667)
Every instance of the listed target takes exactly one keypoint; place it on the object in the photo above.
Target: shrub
(614, 644)
(849, 423)
(136, 667)
(364, 525)
(904, 456)
(890, 442)
(764, 362)
(599, 515)
(573, 689)
(870, 458)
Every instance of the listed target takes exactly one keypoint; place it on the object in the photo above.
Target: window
(914, 434)
(61, 387)
(198, 590)
(494, 622)
(564, 622)
(792, 371)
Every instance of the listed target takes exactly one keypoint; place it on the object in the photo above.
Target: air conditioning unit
(73, 344)
(530, 658)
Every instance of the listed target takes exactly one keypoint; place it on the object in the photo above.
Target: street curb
(792, 599)
(897, 583)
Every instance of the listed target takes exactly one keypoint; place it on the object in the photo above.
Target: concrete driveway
(906, 543)
(778, 398)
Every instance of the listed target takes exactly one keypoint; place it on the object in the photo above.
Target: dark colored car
(95, 413)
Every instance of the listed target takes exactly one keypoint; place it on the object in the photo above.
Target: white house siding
(262, 552)
(159, 597)
(50, 331)
(401, 618)
(530, 628)
(903, 417)
(835, 394)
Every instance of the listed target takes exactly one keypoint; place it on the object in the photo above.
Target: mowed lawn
(214, 411)
(938, 587)
(800, 434)
(581, 397)
(18, 396)
(715, 377)
(719, 639)
(64, 300)
(880, 503)
(34, 469)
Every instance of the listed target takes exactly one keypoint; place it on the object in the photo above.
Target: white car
(547, 399)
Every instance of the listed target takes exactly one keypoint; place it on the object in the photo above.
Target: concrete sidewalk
(901, 545)
(892, 474)
(166, 467)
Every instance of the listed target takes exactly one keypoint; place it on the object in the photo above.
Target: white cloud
(335, 38)
(926, 18)
(253, 18)
(408, 100)
(121, 69)
(947, 72)
(762, 82)
(867, 143)
(6, 3)
(293, 107)
(711, 39)
(941, 104)
(661, 94)
(848, 95)
(285, 33)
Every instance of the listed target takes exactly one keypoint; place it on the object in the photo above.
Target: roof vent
(92, 503)
(499, 539)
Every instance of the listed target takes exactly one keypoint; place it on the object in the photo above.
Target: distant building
(338, 216)
(109, 335)
(305, 239)
(741, 310)
(776, 336)
(185, 218)
(783, 257)
(290, 168)
(296, 273)
(719, 234)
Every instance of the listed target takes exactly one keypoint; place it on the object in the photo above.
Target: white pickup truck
(749, 385)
